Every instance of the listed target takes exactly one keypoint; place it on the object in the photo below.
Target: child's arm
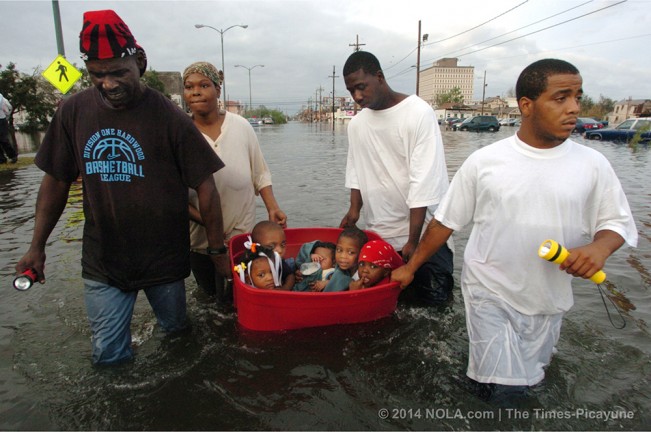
(318, 285)
(288, 284)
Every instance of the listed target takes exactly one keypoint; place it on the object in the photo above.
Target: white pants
(507, 347)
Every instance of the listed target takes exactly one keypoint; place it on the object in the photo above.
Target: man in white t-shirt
(518, 192)
(396, 171)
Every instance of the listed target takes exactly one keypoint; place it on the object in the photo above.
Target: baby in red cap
(376, 260)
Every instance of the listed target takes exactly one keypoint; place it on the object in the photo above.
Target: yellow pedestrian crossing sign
(61, 74)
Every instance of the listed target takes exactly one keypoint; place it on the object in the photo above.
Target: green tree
(152, 80)
(637, 138)
(597, 110)
(587, 104)
(29, 94)
(82, 83)
(261, 112)
(607, 104)
(454, 96)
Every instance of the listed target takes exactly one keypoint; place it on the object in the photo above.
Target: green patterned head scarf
(206, 69)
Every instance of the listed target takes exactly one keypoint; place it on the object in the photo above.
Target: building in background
(629, 108)
(173, 83)
(443, 76)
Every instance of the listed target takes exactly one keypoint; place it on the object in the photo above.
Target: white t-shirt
(238, 183)
(396, 160)
(518, 196)
(5, 107)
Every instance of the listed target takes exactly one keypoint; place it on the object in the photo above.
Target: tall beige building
(443, 76)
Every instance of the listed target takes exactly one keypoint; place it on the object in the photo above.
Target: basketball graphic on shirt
(114, 156)
(113, 148)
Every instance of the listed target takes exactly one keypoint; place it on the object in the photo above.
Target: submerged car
(451, 121)
(584, 124)
(624, 131)
(479, 123)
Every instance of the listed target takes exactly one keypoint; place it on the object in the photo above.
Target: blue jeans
(110, 310)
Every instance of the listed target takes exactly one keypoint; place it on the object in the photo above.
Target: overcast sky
(299, 41)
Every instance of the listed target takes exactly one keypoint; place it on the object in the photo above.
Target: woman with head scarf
(245, 175)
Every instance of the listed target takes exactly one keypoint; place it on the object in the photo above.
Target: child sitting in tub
(349, 243)
(315, 262)
(376, 261)
(260, 267)
(272, 236)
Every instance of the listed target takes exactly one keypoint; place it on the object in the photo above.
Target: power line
(458, 34)
(582, 46)
(402, 72)
(520, 28)
(477, 26)
(274, 102)
(538, 31)
(399, 61)
(409, 69)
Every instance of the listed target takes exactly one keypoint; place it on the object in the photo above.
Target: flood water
(406, 371)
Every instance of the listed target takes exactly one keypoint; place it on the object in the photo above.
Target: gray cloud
(299, 41)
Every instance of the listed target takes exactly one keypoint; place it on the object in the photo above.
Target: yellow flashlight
(552, 251)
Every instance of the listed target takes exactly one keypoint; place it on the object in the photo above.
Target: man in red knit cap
(137, 155)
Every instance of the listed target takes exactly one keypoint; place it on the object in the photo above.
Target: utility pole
(320, 90)
(356, 44)
(333, 76)
(309, 107)
(420, 39)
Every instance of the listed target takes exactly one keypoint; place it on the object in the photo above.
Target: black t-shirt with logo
(136, 166)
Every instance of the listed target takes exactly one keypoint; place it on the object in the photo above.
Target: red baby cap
(381, 254)
(105, 36)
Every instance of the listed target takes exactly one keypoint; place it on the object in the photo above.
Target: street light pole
(483, 94)
(418, 62)
(221, 33)
(249, 69)
(57, 27)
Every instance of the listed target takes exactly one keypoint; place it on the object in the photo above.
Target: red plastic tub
(272, 310)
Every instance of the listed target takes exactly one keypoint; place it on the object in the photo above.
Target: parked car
(507, 122)
(452, 120)
(479, 123)
(586, 123)
(624, 131)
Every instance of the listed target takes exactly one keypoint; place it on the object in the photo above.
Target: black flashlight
(25, 280)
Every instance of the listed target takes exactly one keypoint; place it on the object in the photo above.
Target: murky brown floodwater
(223, 377)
